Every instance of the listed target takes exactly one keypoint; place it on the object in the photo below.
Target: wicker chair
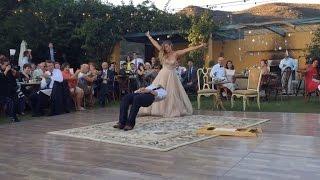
(204, 86)
(253, 88)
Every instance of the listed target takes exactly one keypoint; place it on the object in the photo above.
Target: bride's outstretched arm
(154, 42)
(192, 48)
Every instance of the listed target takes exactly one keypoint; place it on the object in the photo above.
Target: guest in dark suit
(50, 53)
(143, 97)
(122, 71)
(6, 98)
(190, 81)
(106, 80)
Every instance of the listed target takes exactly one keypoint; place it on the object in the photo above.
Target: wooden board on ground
(246, 132)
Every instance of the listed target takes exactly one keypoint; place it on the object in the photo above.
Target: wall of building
(249, 51)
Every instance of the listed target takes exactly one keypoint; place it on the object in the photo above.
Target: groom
(142, 97)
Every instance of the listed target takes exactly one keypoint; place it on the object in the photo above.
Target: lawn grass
(288, 104)
(292, 104)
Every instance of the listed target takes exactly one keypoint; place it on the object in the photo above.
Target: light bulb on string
(253, 40)
(158, 39)
(289, 34)
(280, 48)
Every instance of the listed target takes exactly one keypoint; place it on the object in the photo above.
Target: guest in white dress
(230, 72)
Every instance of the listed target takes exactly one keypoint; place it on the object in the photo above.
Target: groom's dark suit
(143, 97)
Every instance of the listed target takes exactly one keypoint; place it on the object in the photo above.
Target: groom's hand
(145, 91)
(138, 90)
(155, 93)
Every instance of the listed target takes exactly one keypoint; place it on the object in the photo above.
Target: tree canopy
(314, 47)
(84, 29)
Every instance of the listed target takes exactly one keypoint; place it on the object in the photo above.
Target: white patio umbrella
(23, 47)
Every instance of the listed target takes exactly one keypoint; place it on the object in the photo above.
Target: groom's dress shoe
(118, 126)
(127, 128)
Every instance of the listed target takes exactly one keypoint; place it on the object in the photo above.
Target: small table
(29, 83)
(29, 86)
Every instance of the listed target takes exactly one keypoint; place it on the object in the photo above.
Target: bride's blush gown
(177, 102)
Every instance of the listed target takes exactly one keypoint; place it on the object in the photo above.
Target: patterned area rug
(157, 133)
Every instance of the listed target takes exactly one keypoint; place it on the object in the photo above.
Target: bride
(177, 102)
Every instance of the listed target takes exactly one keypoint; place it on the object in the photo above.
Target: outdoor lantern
(12, 52)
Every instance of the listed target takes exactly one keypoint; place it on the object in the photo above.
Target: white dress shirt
(218, 72)
(56, 75)
(161, 92)
(230, 74)
(287, 62)
(137, 61)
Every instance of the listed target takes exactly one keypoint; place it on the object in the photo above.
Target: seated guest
(39, 99)
(5, 98)
(140, 76)
(93, 73)
(106, 78)
(136, 60)
(265, 78)
(190, 82)
(112, 67)
(26, 91)
(287, 65)
(122, 71)
(264, 67)
(218, 72)
(76, 92)
(153, 62)
(133, 68)
(15, 91)
(143, 97)
(230, 79)
(312, 79)
(129, 65)
(148, 68)
(25, 76)
(38, 73)
(150, 77)
(57, 65)
(85, 81)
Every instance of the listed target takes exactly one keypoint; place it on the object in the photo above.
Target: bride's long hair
(163, 54)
